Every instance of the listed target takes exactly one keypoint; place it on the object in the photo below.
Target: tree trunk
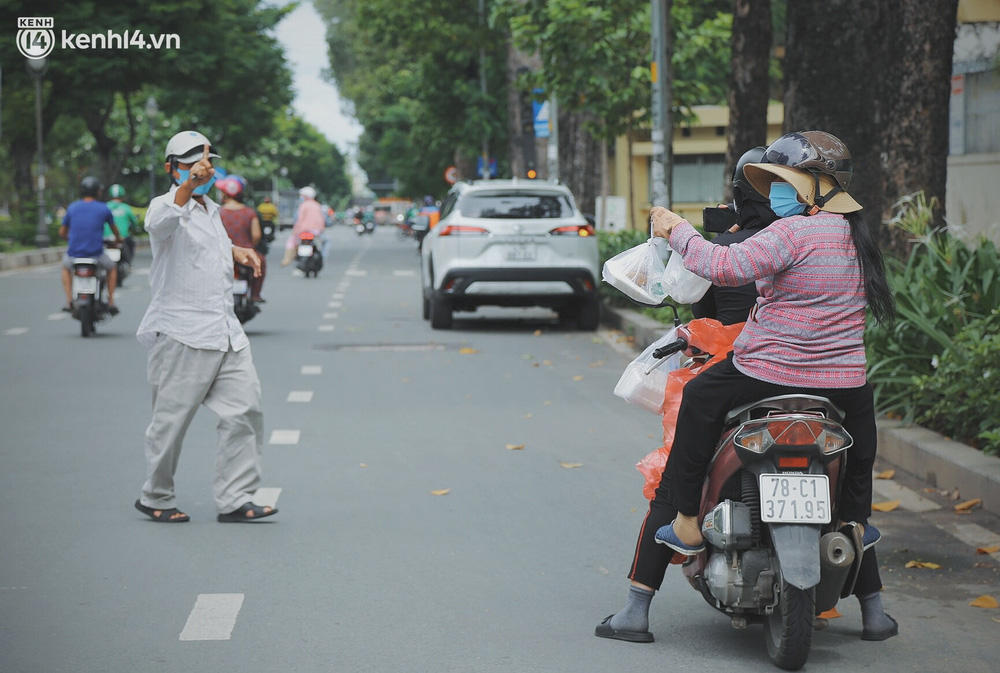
(518, 126)
(877, 75)
(579, 160)
(748, 82)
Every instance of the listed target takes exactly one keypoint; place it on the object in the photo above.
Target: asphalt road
(368, 413)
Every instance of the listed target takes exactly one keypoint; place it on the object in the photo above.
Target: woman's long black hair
(872, 264)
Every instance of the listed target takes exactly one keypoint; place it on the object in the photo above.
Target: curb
(921, 453)
(18, 260)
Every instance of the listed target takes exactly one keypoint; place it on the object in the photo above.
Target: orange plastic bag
(708, 336)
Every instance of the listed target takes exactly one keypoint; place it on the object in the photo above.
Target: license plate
(521, 252)
(84, 285)
(114, 254)
(305, 251)
(239, 287)
(795, 498)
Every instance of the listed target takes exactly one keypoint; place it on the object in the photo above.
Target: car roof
(511, 185)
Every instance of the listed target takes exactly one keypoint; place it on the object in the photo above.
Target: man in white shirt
(198, 352)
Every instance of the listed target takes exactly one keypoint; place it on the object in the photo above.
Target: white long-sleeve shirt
(191, 277)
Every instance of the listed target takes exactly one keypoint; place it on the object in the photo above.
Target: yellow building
(699, 165)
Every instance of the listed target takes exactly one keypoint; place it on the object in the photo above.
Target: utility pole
(662, 76)
(485, 173)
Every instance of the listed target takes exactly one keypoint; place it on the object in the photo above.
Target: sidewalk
(17, 260)
(922, 454)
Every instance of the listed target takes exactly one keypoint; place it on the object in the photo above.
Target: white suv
(511, 243)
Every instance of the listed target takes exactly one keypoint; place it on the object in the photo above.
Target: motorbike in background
(121, 257)
(420, 224)
(89, 285)
(773, 554)
(309, 258)
(244, 308)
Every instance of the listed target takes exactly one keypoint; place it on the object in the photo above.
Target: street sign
(493, 167)
(540, 112)
(451, 175)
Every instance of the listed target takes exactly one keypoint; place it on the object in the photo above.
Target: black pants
(707, 399)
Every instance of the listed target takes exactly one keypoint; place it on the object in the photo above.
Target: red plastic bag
(709, 336)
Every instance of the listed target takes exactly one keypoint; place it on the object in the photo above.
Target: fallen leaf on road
(443, 491)
(603, 570)
(992, 549)
(406, 380)
(597, 340)
(535, 364)
(467, 351)
(538, 332)
(885, 506)
(547, 363)
(547, 403)
(968, 505)
(577, 378)
(923, 564)
(987, 602)
(887, 474)
(527, 357)
(596, 365)
(570, 465)
(528, 415)
(830, 614)
(364, 464)
(515, 447)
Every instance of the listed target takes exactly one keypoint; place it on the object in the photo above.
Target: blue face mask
(200, 191)
(784, 200)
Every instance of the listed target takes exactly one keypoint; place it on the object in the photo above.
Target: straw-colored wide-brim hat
(762, 175)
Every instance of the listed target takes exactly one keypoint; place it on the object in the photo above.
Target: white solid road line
(15, 331)
(300, 396)
(886, 489)
(266, 497)
(312, 370)
(213, 617)
(284, 437)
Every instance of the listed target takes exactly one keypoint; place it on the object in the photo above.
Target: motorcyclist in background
(83, 226)
(125, 219)
(242, 226)
(308, 218)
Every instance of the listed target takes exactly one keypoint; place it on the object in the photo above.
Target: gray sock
(873, 616)
(635, 615)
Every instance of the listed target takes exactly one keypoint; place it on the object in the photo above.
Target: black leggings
(707, 398)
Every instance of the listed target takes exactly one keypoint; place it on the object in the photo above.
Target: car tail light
(573, 230)
(85, 271)
(463, 230)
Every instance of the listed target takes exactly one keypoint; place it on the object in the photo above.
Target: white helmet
(308, 192)
(187, 147)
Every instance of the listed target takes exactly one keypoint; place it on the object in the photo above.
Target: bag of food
(638, 272)
(680, 284)
(645, 379)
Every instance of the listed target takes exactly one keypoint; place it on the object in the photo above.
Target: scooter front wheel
(788, 630)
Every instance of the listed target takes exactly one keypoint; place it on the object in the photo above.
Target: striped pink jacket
(807, 329)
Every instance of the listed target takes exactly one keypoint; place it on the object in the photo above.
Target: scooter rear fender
(797, 547)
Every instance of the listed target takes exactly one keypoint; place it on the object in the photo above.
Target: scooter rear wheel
(788, 630)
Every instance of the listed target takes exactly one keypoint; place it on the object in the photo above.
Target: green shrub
(946, 293)
(961, 398)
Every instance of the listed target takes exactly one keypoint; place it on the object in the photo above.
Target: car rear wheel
(440, 313)
(589, 315)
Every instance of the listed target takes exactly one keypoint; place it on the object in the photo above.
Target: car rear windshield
(520, 206)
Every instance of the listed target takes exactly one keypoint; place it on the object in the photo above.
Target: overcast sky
(303, 35)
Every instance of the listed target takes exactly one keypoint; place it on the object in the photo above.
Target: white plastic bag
(644, 381)
(680, 284)
(638, 272)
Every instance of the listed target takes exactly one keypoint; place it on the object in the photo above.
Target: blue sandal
(667, 536)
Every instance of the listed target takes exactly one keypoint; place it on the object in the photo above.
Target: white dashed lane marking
(973, 535)
(213, 617)
(338, 295)
(284, 437)
(330, 316)
(15, 331)
(312, 370)
(356, 272)
(326, 328)
(335, 304)
(300, 396)
(404, 272)
(62, 315)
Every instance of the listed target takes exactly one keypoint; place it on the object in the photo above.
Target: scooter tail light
(306, 236)
(85, 271)
(793, 462)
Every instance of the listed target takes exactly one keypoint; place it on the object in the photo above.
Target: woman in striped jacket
(817, 271)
